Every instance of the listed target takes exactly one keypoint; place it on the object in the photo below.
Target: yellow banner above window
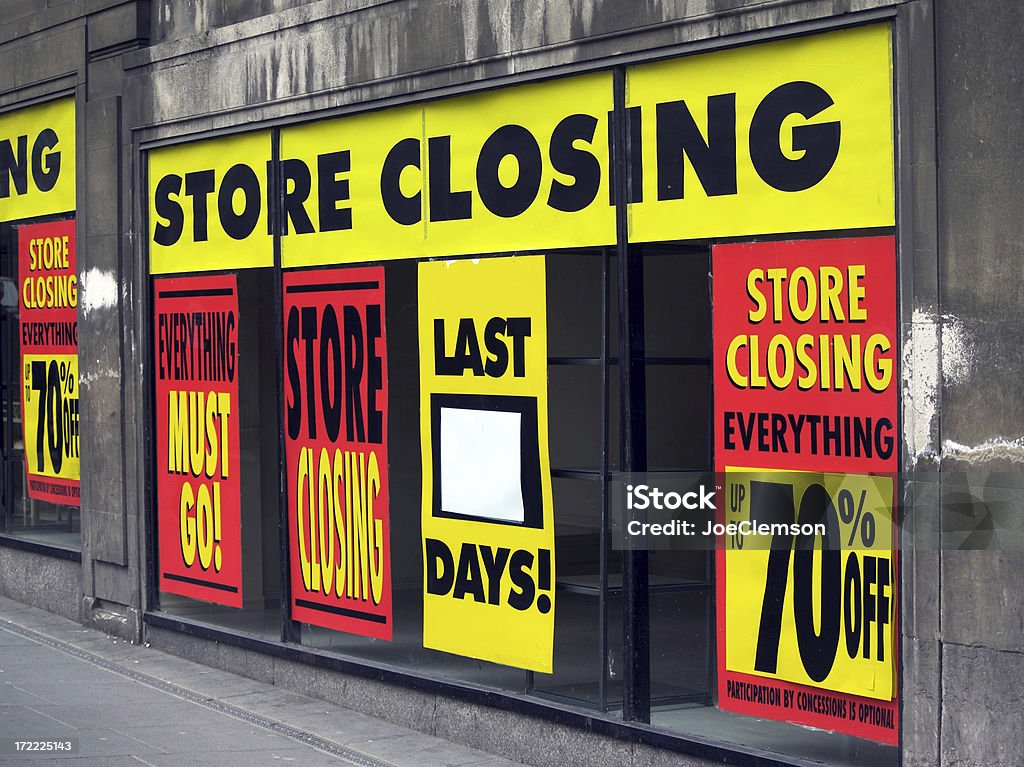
(788, 136)
(208, 205)
(510, 169)
(794, 135)
(37, 160)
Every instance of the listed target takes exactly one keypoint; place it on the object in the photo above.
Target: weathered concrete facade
(76, 47)
(150, 72)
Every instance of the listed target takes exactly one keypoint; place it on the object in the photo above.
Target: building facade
(344, 341)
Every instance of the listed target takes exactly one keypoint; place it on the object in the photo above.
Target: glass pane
(678, 417)
(677, 302)
(404, 466)
(259, 426)
(578, 664)
(574, 303)
(574, 416)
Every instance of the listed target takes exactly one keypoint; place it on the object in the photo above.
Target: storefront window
(212, 341)
(39, 438)
(404, 622)
(38, 383)
(428, 433)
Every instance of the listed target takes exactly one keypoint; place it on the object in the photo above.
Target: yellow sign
(488, 532)
(208, 205)
(814, 607)
(346, 181)
(511, 169)
(50, 413)
(788, 136)
(37, 160)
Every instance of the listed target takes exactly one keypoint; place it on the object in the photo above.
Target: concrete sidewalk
(128, 705)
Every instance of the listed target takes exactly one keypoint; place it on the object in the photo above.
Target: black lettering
(198, 186)
(45, 165)
(509, 201)
(14, 167)
(168, 209)
(582, 165)
(309, 331)
(231, 356)
(467, 349)
(238, 226)
(870, 606)
(747, 430)
(779, 433)
(494, 566)
(295, 173)
(519, 573)
(884, 441)
(762, 432)
(331, 190)
(443, 364)
(882, 602)
(729, 430)
(445, 205)
(439, 579)
(797, 424)
(544, 571)
(678, 136)
(817, 645)
(162, 351)
(295, 406)
(819, 143)
(468, 580)
(374, 376)
(402, 210)
(854, 611)
(518, 329)
(495, 367)
(354, 428)
(330, 372)
(862, 437)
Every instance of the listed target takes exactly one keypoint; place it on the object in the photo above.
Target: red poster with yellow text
(48, 313)
(336, 426)
(199, 528)
(805, 356)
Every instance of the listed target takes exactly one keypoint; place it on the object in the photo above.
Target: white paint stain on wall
(939, 351)
(85, 380)
(97, 290)
(997, 448)
(958, 351)
(920, 384)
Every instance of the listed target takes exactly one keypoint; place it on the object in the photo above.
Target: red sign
(336, 426)
(199, 527)
(48, 311)
(805, 355)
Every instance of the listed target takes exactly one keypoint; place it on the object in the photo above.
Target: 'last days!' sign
(488, 533)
